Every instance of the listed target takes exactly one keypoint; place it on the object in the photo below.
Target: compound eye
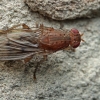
(75, 31)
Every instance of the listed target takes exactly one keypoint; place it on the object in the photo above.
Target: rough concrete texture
(65, 75)
(66, 9)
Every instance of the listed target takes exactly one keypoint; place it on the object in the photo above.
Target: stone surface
(65, 75)
(66, 9)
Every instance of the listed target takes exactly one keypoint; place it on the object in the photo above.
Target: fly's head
(75, 38)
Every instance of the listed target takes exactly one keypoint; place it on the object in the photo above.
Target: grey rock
(66, 9)
(65, 75)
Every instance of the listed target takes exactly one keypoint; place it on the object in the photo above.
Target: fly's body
(23, 43)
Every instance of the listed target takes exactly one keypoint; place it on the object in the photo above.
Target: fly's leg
(34, 73)
(37, 25)
(15, 26)
(70, 48)
(26, 61)
(38, 65)
(36, 68)
(29, 65)
(24, 26)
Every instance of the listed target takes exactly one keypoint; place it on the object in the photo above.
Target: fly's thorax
(54, 40)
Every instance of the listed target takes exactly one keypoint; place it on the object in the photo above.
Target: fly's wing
(18, 45)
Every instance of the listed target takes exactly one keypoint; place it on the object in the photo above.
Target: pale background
(66, 75)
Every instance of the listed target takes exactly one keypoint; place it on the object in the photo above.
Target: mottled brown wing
(18, 45)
